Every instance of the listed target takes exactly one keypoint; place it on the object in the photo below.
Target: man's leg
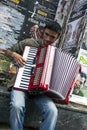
(17, 109)
(49, 112)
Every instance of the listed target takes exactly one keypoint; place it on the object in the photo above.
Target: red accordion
(48, 70)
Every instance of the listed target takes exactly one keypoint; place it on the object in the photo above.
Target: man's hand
(18, 59)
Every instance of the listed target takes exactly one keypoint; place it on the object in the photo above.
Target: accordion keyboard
(24, 73)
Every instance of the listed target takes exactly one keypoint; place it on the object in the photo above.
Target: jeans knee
(53, 111)
(16, 107)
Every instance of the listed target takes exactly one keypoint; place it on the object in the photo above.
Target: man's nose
(48, 38)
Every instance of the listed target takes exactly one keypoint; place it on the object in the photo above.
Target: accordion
(48, 70)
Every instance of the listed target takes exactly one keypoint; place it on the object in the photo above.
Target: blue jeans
(17, 110)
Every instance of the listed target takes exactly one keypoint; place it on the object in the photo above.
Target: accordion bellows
(48, 70)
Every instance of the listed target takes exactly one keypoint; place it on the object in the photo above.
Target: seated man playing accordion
(47, 107)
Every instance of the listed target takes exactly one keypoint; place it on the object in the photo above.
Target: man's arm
(17, 49)
(15, 56)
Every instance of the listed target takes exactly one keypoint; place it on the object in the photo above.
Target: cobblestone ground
(6, 127)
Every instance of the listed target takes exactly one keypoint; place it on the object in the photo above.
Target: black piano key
(26, 78)
(31, 54)
(27, 68)
(24, 83)
(28, 73)
(32, 50)
(29, 61)
(23, 86)
(25, 74)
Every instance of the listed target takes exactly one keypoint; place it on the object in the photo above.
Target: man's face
(49, 37)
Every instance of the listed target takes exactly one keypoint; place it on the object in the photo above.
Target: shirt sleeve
(19, 47)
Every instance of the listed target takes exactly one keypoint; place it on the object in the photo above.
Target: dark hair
(54, 26)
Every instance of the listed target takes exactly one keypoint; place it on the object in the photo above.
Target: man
(45, 104)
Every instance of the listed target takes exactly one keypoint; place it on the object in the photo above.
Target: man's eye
(52, 37)
(47, 34)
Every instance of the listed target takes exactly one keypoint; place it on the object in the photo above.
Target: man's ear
(58, 36)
